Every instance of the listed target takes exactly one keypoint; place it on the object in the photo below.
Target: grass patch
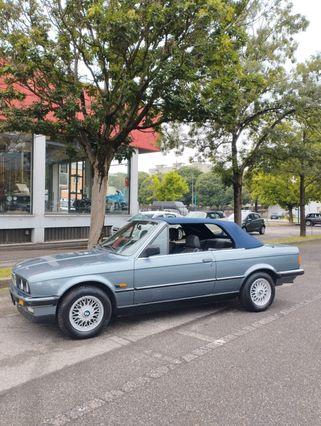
(5, 273)
(294, 240)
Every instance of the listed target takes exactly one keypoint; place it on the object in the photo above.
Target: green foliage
(211, 192)
(190, 174)
(101, 70)
(239, 110)
(271, 189)
(147, 188)
(170, 187)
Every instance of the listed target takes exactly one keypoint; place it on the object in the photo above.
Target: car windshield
(129, 238)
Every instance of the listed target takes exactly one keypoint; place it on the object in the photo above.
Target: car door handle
(207, 260)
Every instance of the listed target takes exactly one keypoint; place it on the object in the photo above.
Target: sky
(309, 44)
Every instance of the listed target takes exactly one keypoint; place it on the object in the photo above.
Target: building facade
(45, 191)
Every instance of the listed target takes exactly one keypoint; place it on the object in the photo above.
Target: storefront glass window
(15, 173)
(68, 183)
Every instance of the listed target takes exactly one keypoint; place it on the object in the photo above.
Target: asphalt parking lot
(191, 365)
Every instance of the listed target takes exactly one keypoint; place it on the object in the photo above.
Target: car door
(231, 265)
(257, 222)
(250, 223)
(166, 277)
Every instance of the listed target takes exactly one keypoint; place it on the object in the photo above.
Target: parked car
(276, 216)
(146, 263)
(251, 221)
(172, 205)
(213, 214)
(312, 219)
(153, 214)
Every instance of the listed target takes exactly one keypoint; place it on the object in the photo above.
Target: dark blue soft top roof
(241, 238)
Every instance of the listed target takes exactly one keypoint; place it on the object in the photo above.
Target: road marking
(172, 364)
(196, 335)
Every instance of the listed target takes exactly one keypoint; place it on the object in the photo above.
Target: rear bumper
(37, 309)
(288, 276)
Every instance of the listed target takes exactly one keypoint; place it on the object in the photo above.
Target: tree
(99, 70)
(283, 188)
(211, 192)
(190, 174)
(146, 193)
(238, 112)
(141, 177)
(169, 187)
(273, 188)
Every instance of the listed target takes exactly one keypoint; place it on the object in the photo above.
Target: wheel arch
(93, 283)
(268, 269)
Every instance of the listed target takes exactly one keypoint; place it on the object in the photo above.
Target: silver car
(146, 262)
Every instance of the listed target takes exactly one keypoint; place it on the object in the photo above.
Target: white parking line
(172, 364)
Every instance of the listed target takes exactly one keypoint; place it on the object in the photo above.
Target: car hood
(85, 262)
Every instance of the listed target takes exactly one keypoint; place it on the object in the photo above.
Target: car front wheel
(258, 292)
(262, 230)
(83, 312)
(309, 223)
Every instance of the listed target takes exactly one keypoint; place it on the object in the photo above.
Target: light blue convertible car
(149, 261)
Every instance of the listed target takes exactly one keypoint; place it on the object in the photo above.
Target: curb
(4, 283)
(72, 244)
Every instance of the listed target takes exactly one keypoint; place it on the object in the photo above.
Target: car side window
(160, 241)
(257, 216)
(216, 230)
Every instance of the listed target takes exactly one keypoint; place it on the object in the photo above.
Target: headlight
(14, 279)
(25, 286)
(22, 284)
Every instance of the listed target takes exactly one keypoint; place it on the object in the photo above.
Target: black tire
(244, 228)
(245, 292)
(309, 223)
(262, 230)
(96, 296)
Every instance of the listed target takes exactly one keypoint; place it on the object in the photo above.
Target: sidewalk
(13, 253)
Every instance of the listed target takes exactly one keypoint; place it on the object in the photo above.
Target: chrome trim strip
(292, 272)
(125, 290)
(205, 296)
(230, 278)
(174, 284)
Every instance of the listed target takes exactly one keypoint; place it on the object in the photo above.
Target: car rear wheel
(258, 292)
(83, 312)
(309, 223)
(262, 230)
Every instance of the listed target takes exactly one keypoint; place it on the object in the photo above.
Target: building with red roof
(45, 193)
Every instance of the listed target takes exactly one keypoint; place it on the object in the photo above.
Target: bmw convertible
(148, 262)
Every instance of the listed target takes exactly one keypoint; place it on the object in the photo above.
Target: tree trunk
(303, 230)
(98, 203)
(237, 190)
(237, 182)
(256, 205)
(290, 209)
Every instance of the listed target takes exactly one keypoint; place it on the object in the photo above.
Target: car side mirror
(151, 251)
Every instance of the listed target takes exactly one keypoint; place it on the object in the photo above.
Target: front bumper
(34, 308)
(288, 276)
